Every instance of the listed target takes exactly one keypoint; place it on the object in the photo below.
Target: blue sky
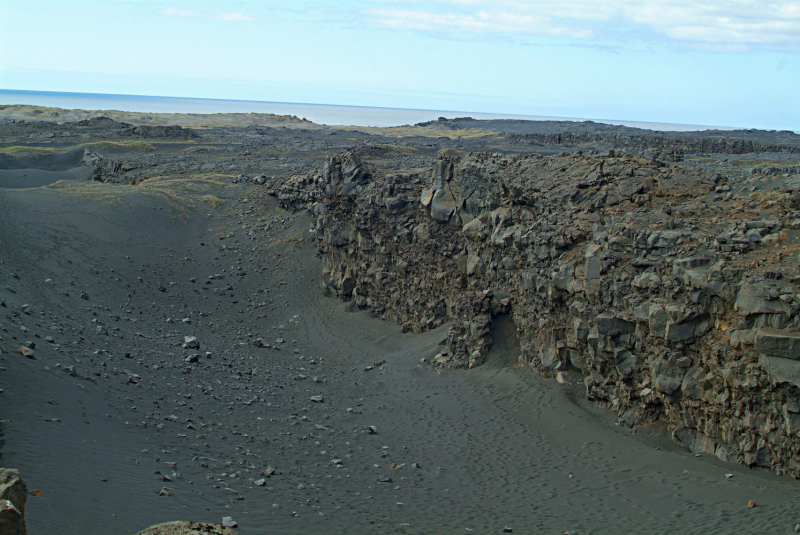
(712, 62)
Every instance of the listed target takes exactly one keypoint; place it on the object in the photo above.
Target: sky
(711, 62)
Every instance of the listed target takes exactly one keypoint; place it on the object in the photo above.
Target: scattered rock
(268, 471)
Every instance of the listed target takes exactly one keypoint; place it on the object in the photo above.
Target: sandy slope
(494, 447)
(34, 178)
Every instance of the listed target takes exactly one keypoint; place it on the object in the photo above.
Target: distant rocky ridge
(675, 146)
(668, 145)
(671, 289)
(581, 131)
(143, 131)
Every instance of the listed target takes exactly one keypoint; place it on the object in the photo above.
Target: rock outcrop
(13, 496)
(665, 289)
(110, 171)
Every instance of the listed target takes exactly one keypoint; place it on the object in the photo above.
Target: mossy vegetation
(18, 151)
(181, 196)
(212, 200)
(127, 146)
(22, 151)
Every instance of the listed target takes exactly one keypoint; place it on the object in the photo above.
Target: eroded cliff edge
(672, 288)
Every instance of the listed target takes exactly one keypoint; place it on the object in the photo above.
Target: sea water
(317, 113)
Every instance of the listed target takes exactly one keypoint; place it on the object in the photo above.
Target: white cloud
(215, 16)
(230, 16)
(708, 24)
(479, 22)
(181, 12)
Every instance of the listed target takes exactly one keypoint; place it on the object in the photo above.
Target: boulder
(443, 205)
(625, 363)
(581, 329)
(592, 267)
(680, 313)
(691, 387)
(647, 281)
(26, 352)
(777, 343)
(471, 229)
(666, 384)
(754, 298)
(427, 196)
(657, 320)
(781, 370)
(688, 263)
(610, 325)
(186, 528)
(679, 332)
(191, 342)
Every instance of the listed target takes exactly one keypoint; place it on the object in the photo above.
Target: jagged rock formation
(13, 496)
(110, 171)
(664, 287)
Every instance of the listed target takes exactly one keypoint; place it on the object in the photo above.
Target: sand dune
(34, 178)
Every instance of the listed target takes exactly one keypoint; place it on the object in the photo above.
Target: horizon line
(500, 116)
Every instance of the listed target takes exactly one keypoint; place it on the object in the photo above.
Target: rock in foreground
(186, 528)
(13, 495)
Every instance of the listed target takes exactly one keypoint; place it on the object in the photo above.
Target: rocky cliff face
(672, 290)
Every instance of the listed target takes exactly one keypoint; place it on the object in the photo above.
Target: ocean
(317, 113)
